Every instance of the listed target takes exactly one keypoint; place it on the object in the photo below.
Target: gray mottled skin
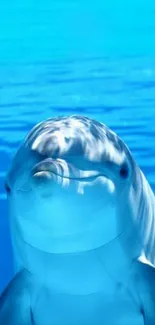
(82, 219)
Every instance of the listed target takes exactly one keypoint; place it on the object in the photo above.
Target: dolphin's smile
(59, 168)
(81, 179)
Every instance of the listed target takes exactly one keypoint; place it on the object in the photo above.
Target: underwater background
(61, 57)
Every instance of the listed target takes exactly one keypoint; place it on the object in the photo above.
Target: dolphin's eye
(7, 188)
(124, 171)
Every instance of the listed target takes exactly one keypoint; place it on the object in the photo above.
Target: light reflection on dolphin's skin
(82, 219)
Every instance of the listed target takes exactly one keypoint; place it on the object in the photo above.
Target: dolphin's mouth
(62, 169)
(80, 179)
(62, 172)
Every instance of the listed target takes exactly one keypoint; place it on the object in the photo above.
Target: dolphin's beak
(51, 167)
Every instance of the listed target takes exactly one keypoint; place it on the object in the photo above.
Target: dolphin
(82, 222)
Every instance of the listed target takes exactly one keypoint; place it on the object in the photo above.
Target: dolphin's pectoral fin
(15, 308)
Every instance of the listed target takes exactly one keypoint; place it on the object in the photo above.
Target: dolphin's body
(82, 220)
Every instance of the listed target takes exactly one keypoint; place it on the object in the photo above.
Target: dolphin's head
(69, 186)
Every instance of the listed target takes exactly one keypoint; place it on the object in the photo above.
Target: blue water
(75, 57)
